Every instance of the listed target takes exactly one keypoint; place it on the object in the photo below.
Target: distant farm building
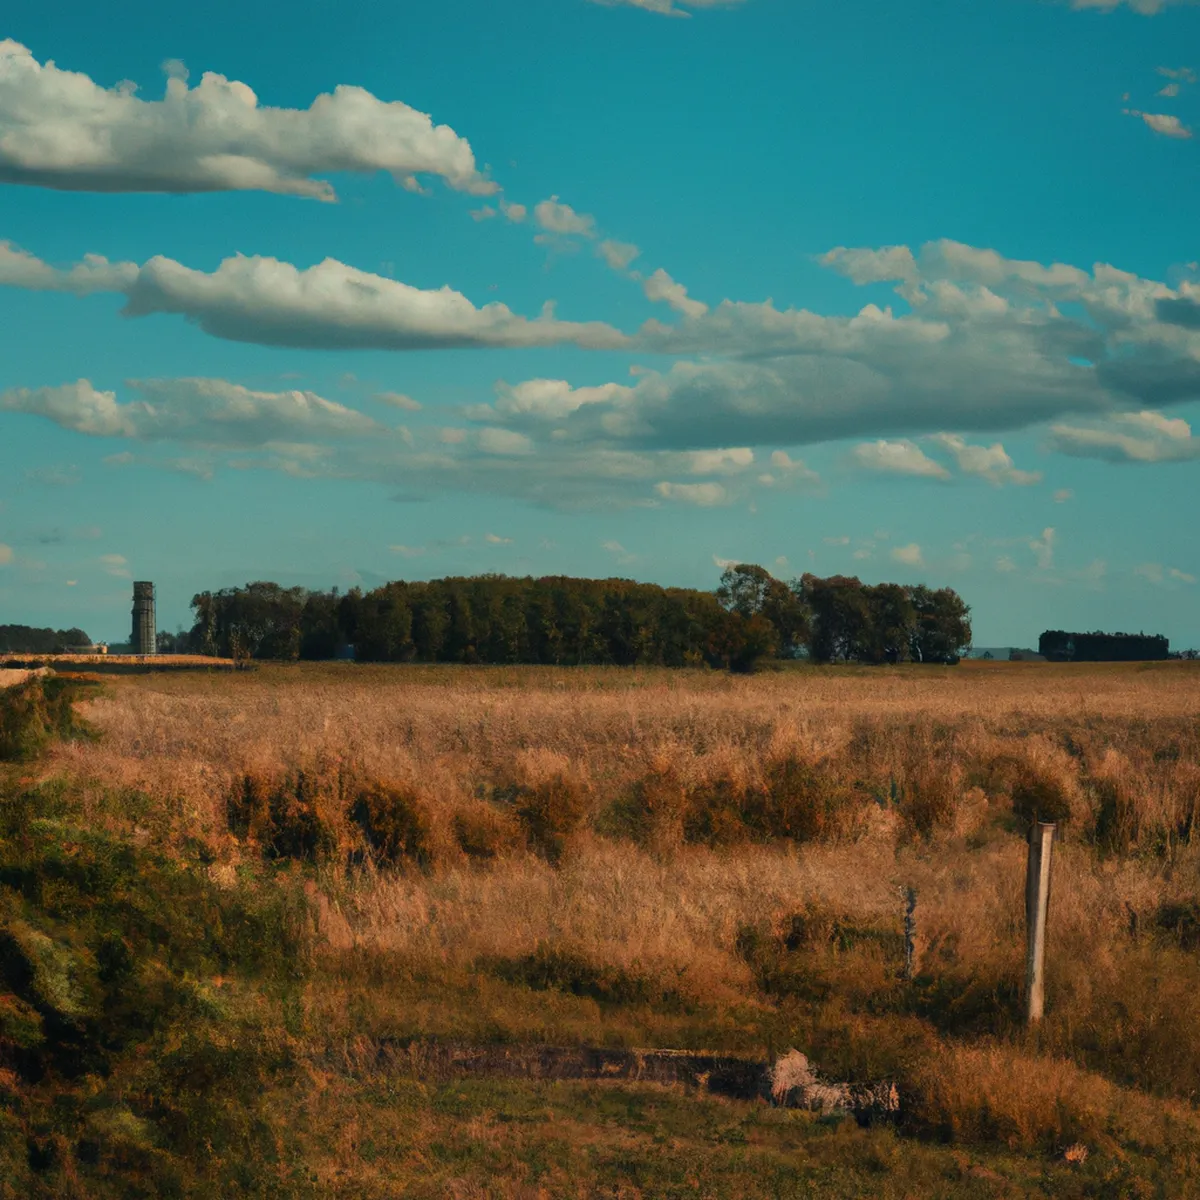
(1059, 646)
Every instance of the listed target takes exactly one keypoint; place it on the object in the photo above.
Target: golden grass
(926, 763)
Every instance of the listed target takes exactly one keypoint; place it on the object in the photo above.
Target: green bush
(34, 713)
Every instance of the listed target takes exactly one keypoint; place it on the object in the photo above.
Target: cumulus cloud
(62, 130)
(1180, 576)
(909, 556)
(493, 539)
(1063, 495)
(326, 306)
(1167, 124)
(398, 400)
(660, 287)
(211, 412)
(561, 219)
(116, 565)
(992, 463)
(19, 268)
(670, 8)
(897, 458)
(1043, 548)
(1147, 8)
(618, 255)
(6, 554)
(1136, 437)
(334, 306)
(703, 495)
(623, 557)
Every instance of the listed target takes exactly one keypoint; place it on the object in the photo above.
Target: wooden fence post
(910, 932)
(1037, 906)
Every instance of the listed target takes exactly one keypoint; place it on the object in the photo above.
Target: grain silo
(142, 639)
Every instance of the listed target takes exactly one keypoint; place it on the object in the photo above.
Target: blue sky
(341, 294)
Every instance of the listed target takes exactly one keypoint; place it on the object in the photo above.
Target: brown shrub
(295, 815)
(395, 822)
(550, 810)
(483, 831)
(799, 801)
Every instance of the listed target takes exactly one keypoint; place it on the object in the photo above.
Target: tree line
(25, 639)
(565, 621)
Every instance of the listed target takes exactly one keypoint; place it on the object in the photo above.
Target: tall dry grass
(683, 826)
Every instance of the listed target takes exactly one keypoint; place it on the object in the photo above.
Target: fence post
(910, 932)
(1037, 905)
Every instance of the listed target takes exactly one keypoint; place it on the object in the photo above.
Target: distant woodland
(24, 639)
(558, 620)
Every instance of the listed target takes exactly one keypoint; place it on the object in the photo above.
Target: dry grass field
(691, 860)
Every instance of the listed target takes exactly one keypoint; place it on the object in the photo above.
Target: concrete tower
(142, 640)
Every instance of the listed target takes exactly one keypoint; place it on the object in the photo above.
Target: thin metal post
(1037, 906)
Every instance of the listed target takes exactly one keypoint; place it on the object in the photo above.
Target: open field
(635, 859)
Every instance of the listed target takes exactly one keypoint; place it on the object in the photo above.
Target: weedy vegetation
(228, 903)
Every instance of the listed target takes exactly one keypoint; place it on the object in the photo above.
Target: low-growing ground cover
(225, 896)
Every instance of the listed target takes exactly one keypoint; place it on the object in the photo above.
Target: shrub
(293, 816)
(34, 713)
(484, 832)
(553, 968)
(714, 814)
(550, 810)
(395, 823)
(929, 798)
(1038, 796)
(799, 801)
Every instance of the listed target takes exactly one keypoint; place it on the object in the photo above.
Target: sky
(338, 294)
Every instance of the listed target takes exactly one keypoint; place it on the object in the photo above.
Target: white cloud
(660, 287)
(398, 400)
(703, 495)
(1153, 572)
(719, 462)
(18, 268)
(1180, 74)
(1043, 548)
(1180, 576)
(554, 217)
(992, 463)
(115, 564)
(623, 557)
(897, 458)
(1167, 124)
(1063, 495)
(328, 306)
(6, 555)
(1146, 8)
(334, 306)
(1141, 437)
(494, 540)
(516, 213)
(618, 255)
(909, 556)
(667, 8)
(203, 411)
(408, 551)
(504, 442)
(62, 130)
(1005, 565)
(836, 541)
(1170, 91)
